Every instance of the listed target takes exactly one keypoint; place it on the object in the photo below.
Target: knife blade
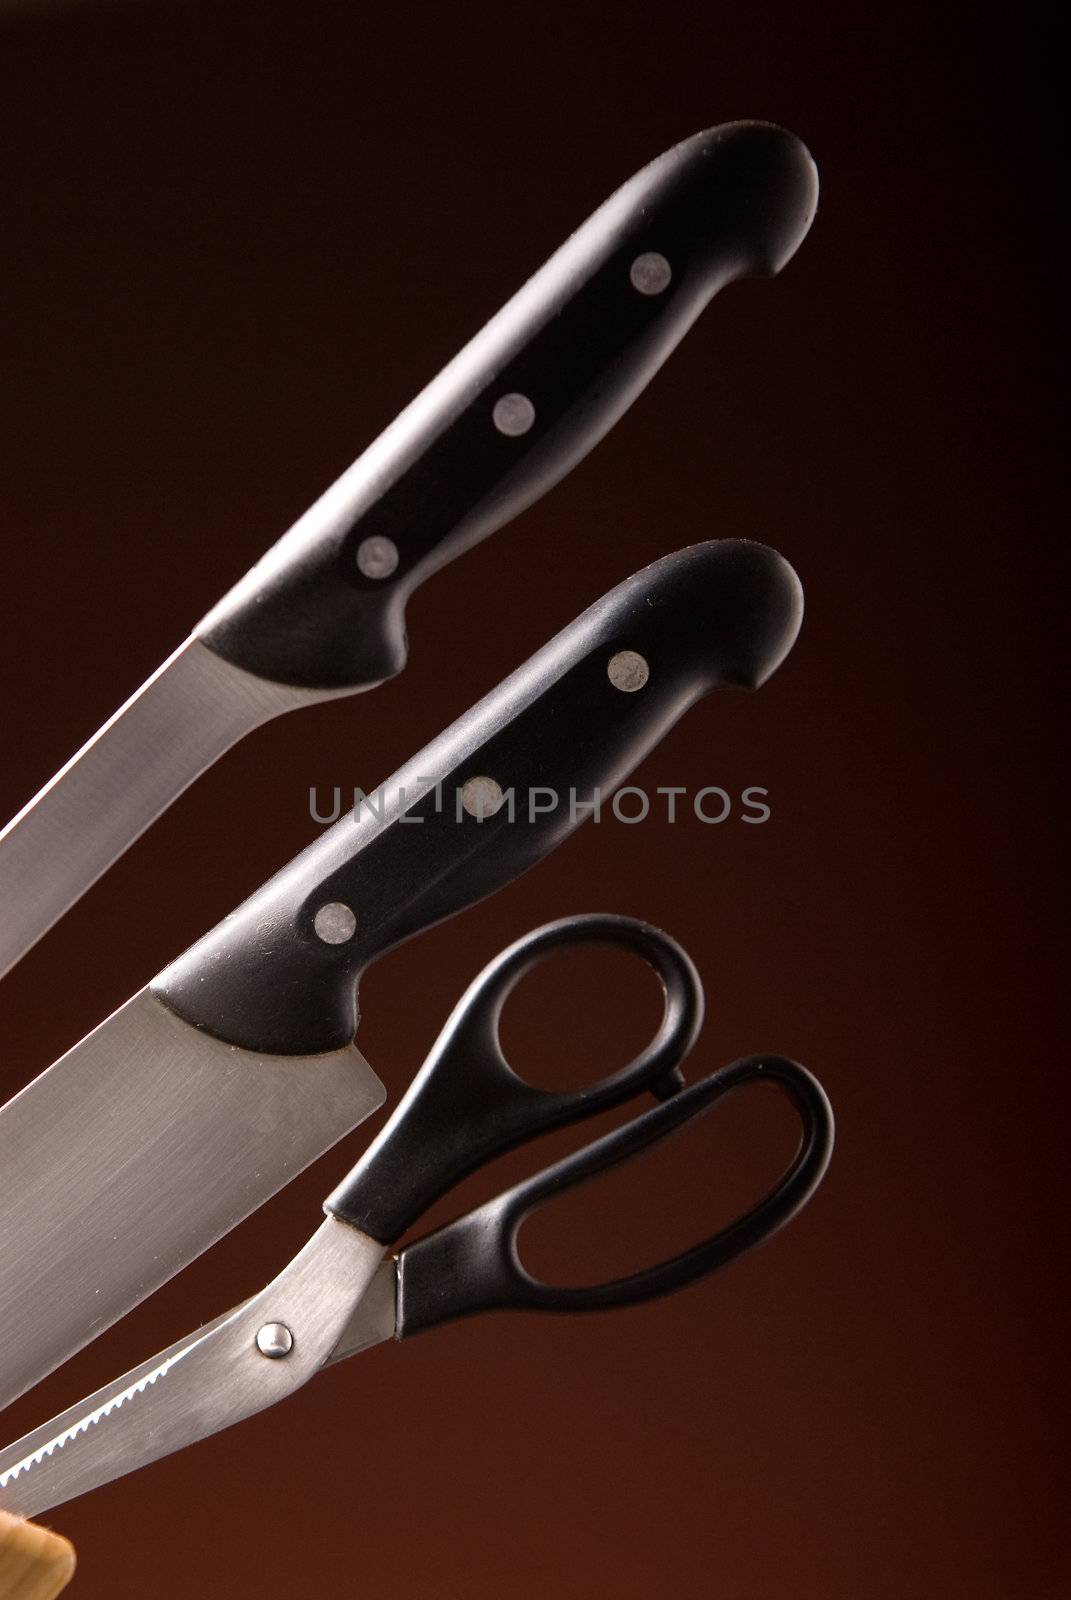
(323, 612)
(202, 1381)
(236, 1066)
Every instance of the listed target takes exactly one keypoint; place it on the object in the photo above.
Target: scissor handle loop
(473, 1264)
(466, 1105)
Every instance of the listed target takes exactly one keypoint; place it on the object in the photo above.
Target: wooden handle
(35, 1564)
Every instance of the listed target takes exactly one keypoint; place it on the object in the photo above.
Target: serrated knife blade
(202, 1384)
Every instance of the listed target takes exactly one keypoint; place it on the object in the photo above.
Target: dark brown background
(237, 238)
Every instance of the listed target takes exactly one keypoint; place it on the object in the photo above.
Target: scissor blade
(205, 1383)
(374, 1317)
(136, 1151)
(180, 721)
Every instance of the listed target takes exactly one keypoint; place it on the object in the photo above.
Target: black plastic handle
(520, 405)
(467, 1105)
(473, 1265)
(279, 975)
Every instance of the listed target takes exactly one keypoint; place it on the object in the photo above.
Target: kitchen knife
(322, 614)
(236, 1067)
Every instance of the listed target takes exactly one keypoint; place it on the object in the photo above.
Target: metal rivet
(628, 671)
(377, 557)
(513, 415)
(481, 797)
(335, 923)
(650, 273)
(275, 1340)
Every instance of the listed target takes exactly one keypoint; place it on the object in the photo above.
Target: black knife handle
(279, 975)
(522, 403)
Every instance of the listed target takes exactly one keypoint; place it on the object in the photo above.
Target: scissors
(345, 1291)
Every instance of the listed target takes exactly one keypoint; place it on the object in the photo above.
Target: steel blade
(205, 1383)
(375, 1315)
(180, 721)
(136, 1151)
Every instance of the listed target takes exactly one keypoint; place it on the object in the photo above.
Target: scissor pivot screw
(650, 273)
(628, 671)
(377, 557)
(275, 1340)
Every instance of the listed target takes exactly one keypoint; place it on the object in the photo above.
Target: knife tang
(525, 400)
(489, 798)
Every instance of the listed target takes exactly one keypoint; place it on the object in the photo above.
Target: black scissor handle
(467, 1105)
(473, 1265)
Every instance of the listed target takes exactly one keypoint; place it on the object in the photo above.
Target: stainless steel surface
(51, 1431)
(373, 1318)
(275, 1340)
(132, 1154)
(214, 1378)
(180, 721)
